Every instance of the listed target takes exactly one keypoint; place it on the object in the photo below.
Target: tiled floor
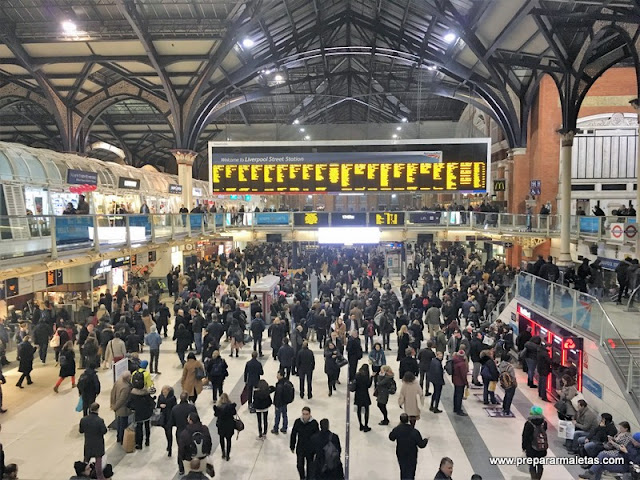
(40, 431)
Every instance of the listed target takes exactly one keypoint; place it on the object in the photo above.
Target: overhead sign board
(81, 177)
(348, 219)
(175, 188)
(386, 218)
(128, 183)
(311, 219)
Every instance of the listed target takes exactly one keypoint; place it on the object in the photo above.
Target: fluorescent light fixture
(404, 120)
(393, 195)
(394, 136)
(349, 235)
(248, 43)
(450, 37)
(267, 71)
(307, 137)
(309, 197)
(69, 27)
(296, 122)
(278, 78)
(432, 67)
(302, 130)
(398, 129)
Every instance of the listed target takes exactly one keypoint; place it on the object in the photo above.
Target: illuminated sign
(499, 185)
(349, 236)
(101, 268)
(386, 218)
(347, 219)
(448, 167)
(569, 344)
(175, 188)
(128, 183)
(54, 278)
(524, 312)
(11, 287)
(312, 219)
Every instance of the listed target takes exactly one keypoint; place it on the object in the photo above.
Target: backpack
(217, 369)
(200, 445)
(137, 379)
(448, 367)
(331, 457)
(506, 380)
(63, 360)
(82, 382)
(393, 388)
(288, 392)
(539, 441)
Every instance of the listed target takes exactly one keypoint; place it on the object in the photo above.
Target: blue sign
(590, 224)
(276, 218)
(591, 385)
(141, 221)
(195, 221)
(80, 177)
(73, 229)
(609, 263)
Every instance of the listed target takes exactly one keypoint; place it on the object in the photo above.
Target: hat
(636, 437)
(535, 411)
(144, 364)
(461, 353)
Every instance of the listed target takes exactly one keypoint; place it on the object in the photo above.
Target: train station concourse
(319, 239)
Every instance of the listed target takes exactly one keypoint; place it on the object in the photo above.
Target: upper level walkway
(35, 238)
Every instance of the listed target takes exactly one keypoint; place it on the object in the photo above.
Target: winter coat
(331, 367)
(225, 419)
(505, 366)
(189, 382)
(460, 370)
(115, 348)
(531, 350)
(318, 442)
(383, 388)
(89, 385)
(566, 395)
(408, 441)
(94, 429)
(363, 383)
(587, 419)
(119, 398)
(277, 334)
(377, 357)
(168, 402)
(252, 372)
(436, 372)
(69, 367)
(286, 355)
(424, 359)
(527, 436)
(25, 354)
(408, 398)
(222, 369)
(301, 434)
(141, 403)
(543, 361)
(262, 398)
(182, 336)
(305, 362)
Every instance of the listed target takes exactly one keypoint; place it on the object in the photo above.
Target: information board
(441, 167)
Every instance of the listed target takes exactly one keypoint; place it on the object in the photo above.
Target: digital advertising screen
(275, 167)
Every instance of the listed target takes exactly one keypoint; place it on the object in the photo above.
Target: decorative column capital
(517, 151)
(635, 103)
(184, 157)
(568, 136)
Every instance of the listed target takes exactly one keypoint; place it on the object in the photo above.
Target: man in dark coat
(179, 419)
(286, 357)
(323, 469)
(94, 430)
(424, 361)
(543, 364)
(41, 337)
(257, 327)
(252, 373)
(303, 429)
(25, 356)
(354, 353)
(408, 440)
(408, 364)
(436, 378)
(88, 388)
(186, 438)
(305, 364)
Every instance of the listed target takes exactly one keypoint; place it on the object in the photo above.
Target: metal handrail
(633, 293)
(601, 341)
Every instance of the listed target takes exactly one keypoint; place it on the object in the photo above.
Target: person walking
(508, 381)
(530, 355)
(362, 400)
(182, 336)
(354, 353)
(386, 386)
(436, 378)
(283, 396)
(424, 362)
(277, 336)
(119, 398)
(286, 356)
(327, 451)
(257, 328)
(408, 439)
(225, 413)
(459, 380)
(331, 367)
(25, 357)
(94, 430)
(261, 403)
(67, 361)
(41, 337)
(534, 440)
(252, 372)
(198, 435)
(410, 393)
(153, 340)
(305, 365)
(142, 404)
(179, 419)
(377, 359)
(303, 430)
(192, 375)
(88, 387)
(217, 371)
(166, 401)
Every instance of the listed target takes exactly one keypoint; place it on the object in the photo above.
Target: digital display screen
(450, 167)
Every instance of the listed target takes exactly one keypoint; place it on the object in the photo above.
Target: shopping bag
(492, 386)
(466, 393)
(80, 405)
(563, 425)
(244, 396)
(129, 439)
(157, 419)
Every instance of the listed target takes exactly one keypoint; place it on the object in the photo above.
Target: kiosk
(266, 289)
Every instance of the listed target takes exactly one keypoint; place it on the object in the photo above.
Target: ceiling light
(394, 136)
(267, 71)
(69, 27)
(296, 122)
(404, 120)
(248, 43)
(302, 130)
(278, 78)
(393, 195)
(432, 67)
(307, 137)
(450, 37)
(398, 128)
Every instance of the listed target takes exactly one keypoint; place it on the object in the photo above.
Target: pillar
(565, 194)
(185, 159)
(636, 104)
(517, 190)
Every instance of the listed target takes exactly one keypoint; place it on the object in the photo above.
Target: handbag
(492, 386)
(55, 341)
(80, 405)
(352, 386)
(244, 396)
(238, 425)
(375, 392)
(341, 361)
(200, 373)
(247, 339)
(157, 419)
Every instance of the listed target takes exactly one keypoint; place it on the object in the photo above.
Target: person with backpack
(408, 439)
(436, 378)
(192, 375)
(217, 371)
(283, 396)
(261, 403)
(534, 440)
(195, 442)
(327, 450)
(142, 404)
(490, 375)
(305, 364)
(67, 361)
(304, 428)
(88, 387)
(508, 381)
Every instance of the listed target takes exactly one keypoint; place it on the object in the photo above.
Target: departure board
(450, 167)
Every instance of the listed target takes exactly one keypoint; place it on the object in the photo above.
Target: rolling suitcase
(129, 440)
